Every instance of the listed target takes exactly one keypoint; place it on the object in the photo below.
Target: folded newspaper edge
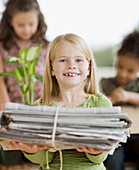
(17, 106)
(68, 133)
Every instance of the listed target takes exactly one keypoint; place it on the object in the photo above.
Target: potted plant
(25, 73)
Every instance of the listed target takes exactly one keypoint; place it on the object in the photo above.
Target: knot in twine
(54, 149)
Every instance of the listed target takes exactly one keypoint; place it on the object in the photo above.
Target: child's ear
(52, 71)
(89, 69)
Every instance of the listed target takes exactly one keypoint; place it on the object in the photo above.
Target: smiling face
(127, 69)
(70, 66)
(25, 24)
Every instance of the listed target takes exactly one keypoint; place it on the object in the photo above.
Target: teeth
(70, 74)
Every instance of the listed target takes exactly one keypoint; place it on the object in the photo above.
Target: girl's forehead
(128, 62)
(68, 49)
(128, 57)
(65, 44)
(24, 13)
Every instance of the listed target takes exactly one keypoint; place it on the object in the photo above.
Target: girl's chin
(25, 38)
(121, 81)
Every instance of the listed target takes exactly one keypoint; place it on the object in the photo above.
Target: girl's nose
(71, 67)
(26, 29)
(124, 74)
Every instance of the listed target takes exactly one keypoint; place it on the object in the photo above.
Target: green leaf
(24, 88)
(11, 59)
(33, 78)
(31, 67)
(33, 52)
(19, 73)
(22, 53)
(39, 77)
(7, 74)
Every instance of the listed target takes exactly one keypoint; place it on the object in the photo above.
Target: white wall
(99, 22)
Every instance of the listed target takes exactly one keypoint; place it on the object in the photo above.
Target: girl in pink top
(22, 25)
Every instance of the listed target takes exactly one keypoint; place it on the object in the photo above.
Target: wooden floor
(24, 166)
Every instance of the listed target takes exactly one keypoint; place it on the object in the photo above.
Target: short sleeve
(39, 157)
(103, 101)
(97, 158)
(99, 100)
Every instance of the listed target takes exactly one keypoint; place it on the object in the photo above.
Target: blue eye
(63, 60)
(79, 60)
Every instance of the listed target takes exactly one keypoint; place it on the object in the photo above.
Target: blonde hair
(50, 85)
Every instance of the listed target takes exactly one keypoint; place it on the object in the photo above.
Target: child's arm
(120, 95)
(4, 97)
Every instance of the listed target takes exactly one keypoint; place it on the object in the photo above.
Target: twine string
(54, 149)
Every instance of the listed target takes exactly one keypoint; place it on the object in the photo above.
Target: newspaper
(103, 127)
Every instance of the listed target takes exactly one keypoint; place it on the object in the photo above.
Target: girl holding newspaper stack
(69, 81)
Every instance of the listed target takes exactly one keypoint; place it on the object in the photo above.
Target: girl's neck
(71, 98)
(22, 44)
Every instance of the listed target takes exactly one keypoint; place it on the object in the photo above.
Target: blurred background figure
(22, 26)
(123, 89)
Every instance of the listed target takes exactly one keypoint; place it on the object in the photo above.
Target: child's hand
(29, 148)
(2, 106)
(119, 95)
(89, 150)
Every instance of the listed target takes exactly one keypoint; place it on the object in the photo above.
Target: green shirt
(72, 159)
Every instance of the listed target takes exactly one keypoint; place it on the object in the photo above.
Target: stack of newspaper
(63, 127)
